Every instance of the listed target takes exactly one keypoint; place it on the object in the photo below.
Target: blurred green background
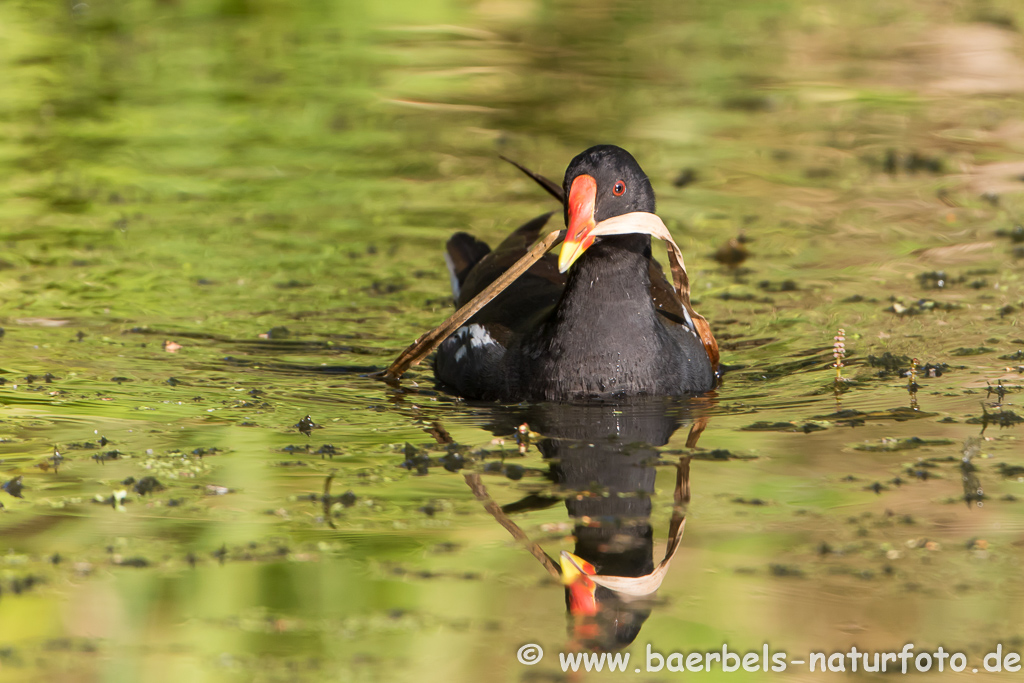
(209, 172)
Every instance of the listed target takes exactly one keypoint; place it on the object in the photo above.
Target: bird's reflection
(602, 460)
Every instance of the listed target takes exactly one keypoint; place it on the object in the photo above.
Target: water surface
(269, 187)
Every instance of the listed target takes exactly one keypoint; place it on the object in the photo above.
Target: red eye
(619, 188)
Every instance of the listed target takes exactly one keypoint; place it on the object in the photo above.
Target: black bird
(614, 326)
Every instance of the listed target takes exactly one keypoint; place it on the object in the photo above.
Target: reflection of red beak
(576, 573)
(582, 198)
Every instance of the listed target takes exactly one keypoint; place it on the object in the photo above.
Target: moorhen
(613, 326)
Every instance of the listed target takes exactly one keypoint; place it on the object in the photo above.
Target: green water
(205, 173)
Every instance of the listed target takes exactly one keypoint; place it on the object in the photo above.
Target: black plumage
(612, 326)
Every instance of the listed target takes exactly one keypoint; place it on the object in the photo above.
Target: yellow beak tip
(568, 255)
(573, 567)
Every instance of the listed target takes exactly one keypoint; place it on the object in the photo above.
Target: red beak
(582, 197)
(576, 573)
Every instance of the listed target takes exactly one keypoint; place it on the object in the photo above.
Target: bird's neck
(609, 285)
